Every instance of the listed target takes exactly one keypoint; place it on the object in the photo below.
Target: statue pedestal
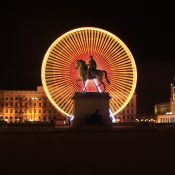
(91, 110)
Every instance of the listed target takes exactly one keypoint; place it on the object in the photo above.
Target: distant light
(34, 98)
(117, 120)
(71, 117)
(169, 113)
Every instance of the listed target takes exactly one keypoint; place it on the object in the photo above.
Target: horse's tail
(106, 77)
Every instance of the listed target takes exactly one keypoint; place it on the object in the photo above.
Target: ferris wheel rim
(78, 30)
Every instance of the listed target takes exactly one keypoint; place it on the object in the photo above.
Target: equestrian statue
(89, 71)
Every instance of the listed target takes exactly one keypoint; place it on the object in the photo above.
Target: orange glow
(59, 75)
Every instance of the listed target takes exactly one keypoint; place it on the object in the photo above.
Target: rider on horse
(91, 67)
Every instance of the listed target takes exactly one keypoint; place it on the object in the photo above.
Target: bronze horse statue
(86, 73)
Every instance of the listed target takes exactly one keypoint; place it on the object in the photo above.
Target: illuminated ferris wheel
(110, 53)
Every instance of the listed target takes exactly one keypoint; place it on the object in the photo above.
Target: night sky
(148, 29)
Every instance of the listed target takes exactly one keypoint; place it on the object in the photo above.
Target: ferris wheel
(59, 75)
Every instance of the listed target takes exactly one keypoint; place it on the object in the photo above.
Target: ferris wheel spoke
(59, 75)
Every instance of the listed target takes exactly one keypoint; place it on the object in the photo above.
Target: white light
(85, 84)
(34, 98)
(169, 113)
(71, 117)
(112, 116)
(97, 86)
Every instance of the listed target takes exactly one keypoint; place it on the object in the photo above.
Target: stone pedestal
(91, 110)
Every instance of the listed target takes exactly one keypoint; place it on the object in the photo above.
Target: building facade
(30, 105)
(165, 112)
(129, 113)
(33, 105)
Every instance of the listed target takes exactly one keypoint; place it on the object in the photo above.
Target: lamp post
(34, 98)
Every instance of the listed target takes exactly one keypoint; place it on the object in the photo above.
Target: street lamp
(34, 98)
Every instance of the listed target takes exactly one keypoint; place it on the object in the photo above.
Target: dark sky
(28, 29)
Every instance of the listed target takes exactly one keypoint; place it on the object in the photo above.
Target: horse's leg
(101, 83)
(77, 81)
(106, 77)
(97, 88)
(104, 87)
(84, 84)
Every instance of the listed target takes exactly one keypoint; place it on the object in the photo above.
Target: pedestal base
(91, 110)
